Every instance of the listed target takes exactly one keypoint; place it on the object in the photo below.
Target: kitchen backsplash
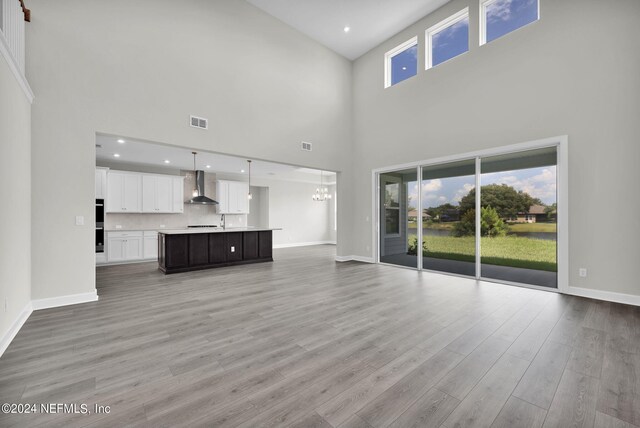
(193, 214)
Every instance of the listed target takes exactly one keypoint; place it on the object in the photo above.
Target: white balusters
(13, 30)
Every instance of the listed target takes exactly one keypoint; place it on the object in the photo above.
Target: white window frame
(562, 165)
(442, 25)
(483, 19)
(393, 52)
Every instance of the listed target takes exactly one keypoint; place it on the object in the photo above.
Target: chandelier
(322, 193)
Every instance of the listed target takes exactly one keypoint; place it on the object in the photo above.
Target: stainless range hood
(200, 199)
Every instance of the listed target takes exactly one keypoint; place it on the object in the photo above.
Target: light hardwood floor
(308, 342)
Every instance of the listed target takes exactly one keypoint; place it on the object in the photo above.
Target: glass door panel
(398, 218)
(448, 217)
(518, 199)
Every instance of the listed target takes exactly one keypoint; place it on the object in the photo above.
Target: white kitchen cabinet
(177, 194)
(157, 194)
(124, 192)
(101, 183)
(124, 246)
(150, 250)
(232, 197)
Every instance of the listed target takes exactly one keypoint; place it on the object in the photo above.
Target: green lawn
(504, 251)
(513, 227)
(532, 227)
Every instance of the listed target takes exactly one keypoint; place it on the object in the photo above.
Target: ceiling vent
(306, 146)
(199, 122)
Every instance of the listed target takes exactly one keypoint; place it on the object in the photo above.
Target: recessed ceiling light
(121, 141)
(242, 170)
(167, 161)
(115, 155)
(347, 29)
(404, 68)
(208, 166)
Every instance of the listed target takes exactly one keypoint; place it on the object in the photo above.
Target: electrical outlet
(162, 226)
(118, 226)
(233, 249)
(6, 304)
(79, 220)
(582, 272)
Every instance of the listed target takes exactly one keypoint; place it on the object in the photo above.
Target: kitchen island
(184, 250)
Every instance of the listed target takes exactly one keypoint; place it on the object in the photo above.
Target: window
(447, 39)
(500, 17)
(392, 208)
(401, 62)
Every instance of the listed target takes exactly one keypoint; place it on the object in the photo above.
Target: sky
(404, 65)
(537, 182)
(450, 42)
(504, 16)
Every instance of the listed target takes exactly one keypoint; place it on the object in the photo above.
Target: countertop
(214, 230)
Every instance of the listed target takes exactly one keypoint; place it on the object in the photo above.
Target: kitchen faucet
(223, 222)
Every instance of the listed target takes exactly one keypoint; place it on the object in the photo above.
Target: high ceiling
(145, 153)
(370, 22)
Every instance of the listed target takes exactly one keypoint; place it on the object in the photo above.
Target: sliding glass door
(448, 230)
(518, 200)
(506, 230)
(399, 218)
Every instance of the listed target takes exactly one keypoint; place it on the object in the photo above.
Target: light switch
(79, 220)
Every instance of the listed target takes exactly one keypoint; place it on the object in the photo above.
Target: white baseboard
(304, 244)
(15, 328)
(354, 259)
(71, 299)
(609, 296)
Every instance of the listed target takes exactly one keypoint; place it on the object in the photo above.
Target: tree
(551, 211)
(506, 200)
(490, 223)
(436, 212)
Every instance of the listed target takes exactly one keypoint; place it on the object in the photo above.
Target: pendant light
(322, 193)
(249, 196)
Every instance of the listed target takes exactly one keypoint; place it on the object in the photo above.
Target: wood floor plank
(619, 394)
(483, 404)
(606, 421)
(519, 413)
(574, 403)
(385, 408)
(429, 411)
(461, 380)
(538, 385)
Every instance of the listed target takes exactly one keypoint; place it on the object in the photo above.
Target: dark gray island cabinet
(187, 250)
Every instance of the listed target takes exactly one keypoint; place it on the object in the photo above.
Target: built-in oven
(99, 225)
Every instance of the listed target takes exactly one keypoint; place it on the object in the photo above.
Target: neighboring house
(536, 214)
(412, 215)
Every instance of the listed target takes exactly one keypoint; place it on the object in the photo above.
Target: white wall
(139, 69)
(291, 207)
(15, 197)
(574, 72)
(258, 207)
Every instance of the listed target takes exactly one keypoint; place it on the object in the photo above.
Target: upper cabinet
(130, 192)
(101, 183)
(232, 197)
(157, 194)
(124, 191)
